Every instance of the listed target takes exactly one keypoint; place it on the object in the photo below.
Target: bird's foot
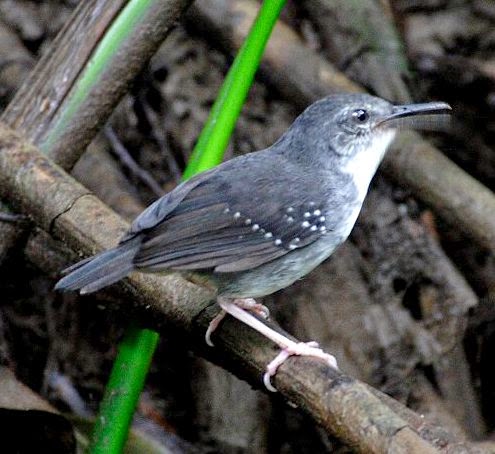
(288, 346)
(248, 304)
(300, 349)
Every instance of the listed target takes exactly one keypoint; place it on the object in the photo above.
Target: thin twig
(13, 218)
(130, 163)
(159, 136)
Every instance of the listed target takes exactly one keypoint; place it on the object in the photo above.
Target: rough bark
(39, 98)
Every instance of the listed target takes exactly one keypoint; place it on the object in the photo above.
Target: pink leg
(248, 304)
(288, 346)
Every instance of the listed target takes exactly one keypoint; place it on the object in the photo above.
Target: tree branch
(42, 94)
(342, 405)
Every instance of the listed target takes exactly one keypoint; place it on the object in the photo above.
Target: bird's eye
(360, 115)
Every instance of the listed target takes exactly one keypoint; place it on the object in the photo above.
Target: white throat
(363, 166)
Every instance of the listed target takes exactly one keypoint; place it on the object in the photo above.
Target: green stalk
(123, 389)
(214, 138)
(137, 348)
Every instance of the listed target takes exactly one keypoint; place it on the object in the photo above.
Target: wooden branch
(39, 98)
(15, 63)
(459, 198)
(456, 196)
(342, 405)
(37, 105)
(16, 395)
(362, 38)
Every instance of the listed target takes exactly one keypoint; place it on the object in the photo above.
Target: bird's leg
(288, 346)
(248, 304)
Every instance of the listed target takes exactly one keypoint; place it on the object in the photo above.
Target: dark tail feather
(103, 269)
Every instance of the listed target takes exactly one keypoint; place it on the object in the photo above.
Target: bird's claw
(299, 349)
(250, 305)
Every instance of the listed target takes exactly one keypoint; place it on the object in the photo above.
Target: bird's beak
(411, 115)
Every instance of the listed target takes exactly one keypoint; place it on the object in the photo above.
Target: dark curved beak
(406, 111)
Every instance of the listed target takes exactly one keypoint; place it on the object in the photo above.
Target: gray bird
(258, 222)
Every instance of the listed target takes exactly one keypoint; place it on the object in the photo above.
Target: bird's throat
(363, 165)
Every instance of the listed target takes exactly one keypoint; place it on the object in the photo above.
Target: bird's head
(340, 127)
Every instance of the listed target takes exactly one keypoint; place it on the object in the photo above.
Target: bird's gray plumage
(258, 222)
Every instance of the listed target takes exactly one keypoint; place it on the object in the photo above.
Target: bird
(259, 222)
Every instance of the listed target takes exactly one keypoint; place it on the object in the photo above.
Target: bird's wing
(227, 224)
(160, 209)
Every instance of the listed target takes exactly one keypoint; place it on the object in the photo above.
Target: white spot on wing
(293, 243)
(305, 224)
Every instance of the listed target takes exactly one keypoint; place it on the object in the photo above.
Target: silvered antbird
(257, 223)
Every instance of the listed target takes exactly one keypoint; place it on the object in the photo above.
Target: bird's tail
(101, 270)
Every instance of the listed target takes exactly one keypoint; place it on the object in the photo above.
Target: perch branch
(342, 405)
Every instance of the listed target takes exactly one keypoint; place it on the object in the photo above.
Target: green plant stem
(123, 389)
(214, 138)
(137, 348)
